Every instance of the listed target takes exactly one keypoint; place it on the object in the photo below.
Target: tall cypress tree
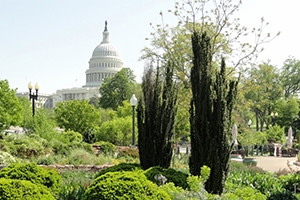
(210, 115)
(156, 116)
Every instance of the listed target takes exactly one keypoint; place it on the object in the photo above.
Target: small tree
(78, 116)
(10, 107)
(210, 115)
(156, 116)
(117, 89)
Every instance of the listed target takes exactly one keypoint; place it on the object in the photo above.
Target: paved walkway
(274, 164)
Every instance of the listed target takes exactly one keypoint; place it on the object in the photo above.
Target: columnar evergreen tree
(210, 115)
(156, 116)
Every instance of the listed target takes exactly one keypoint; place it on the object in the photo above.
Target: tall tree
(156, 116)
(290, 77)
(117, 89)
(78, 116)
(11, 110)
(229, 38)
(210, 115)
(262, 89)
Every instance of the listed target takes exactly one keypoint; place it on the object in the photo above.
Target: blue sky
(51, 41)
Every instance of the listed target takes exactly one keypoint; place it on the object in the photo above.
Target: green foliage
(289, 181)
(245, 193)
(21, 189)
(277, 134)
(11, 111)
(266, 183)
(156, 113)
(124, 110)
(33, 173)
(74, 184)
(129, 152)
(71, 136)
(288, 110)
(213, 98)
(116, 89)
(249, 137)
(81, 157)
(23, 146)
(176, 193)
(6, 158)
(106, 148)
(27, 147)
(282, 195)
(116, 131)
(120, 168)
(124, 185)
(290, 76)
(196, 182)
(176, 177)
(261, 90)
(78, 116)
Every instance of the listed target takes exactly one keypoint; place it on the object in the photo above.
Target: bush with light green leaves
(124, 185)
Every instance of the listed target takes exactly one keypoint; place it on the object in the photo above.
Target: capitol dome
(106, 49)
(105, 62)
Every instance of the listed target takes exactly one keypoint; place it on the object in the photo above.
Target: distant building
(105, 62)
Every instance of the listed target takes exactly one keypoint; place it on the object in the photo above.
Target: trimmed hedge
(124, 185)
(21, 189)
(33, 173)
(177, 177)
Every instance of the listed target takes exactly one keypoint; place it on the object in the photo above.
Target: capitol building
(105, 62)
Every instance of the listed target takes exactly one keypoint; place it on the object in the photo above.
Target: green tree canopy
(290, 76)
(116, 131)
(117, 89)
(77, 115)
(11, 110)
(262, 89)
(229, 38)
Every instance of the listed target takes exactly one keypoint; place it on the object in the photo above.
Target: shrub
(120, 168)
(33, 173)
(282, 195)
(21, 189)
(288, 181)
(266, 183)
(81, 157)
(25, 147)
(131, 152)
(106, 148)
(44, 160)
(124, 185)
(6, 158)
(72, 191)
(177, 177)
(245, 193)
(72, 136)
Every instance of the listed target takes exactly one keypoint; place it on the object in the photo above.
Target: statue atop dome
(105, 29)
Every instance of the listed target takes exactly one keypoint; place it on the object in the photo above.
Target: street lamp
(274, 117)
(133, 102)
(33, 96)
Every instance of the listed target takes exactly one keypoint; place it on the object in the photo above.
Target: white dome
(104, 50)
(105, 62)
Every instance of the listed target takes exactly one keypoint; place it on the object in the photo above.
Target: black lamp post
(133, 102)
(33, 96)
(273, 117)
